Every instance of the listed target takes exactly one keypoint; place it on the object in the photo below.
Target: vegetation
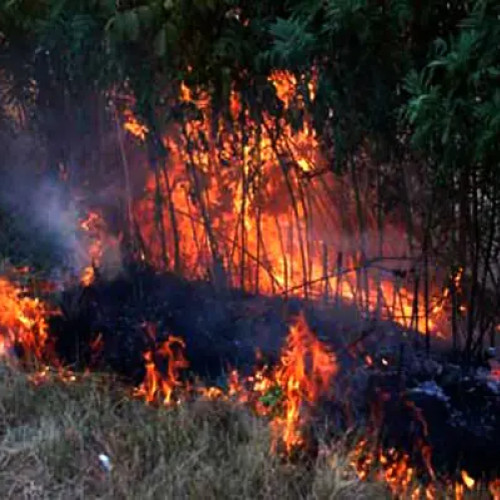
(51, 438)
(411, 85)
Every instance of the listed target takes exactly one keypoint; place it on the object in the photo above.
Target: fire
(22, 322)
(395, 469)
(303, 375)
(468, 481)
(251, 204)
(133, 126)
(157, 387)
(96, 241)
(287, 393)
(92, 226)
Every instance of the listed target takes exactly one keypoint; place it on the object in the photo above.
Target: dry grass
(51, 437)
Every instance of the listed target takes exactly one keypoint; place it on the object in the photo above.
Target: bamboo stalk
(426, 298)
(326, 288)
(126, 173)
(454, 309)
(283, 253)
(173, 221)
(338, 286)
(218, 273)
(474, 258)
(284, 169)
(362, 229)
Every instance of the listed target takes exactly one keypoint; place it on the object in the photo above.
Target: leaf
(160, 42)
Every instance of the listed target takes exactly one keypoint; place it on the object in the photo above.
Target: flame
(287, 393)
(494, 488)
(468, 481)
(254, 198)
(275, 222)
(22, 322)
(96, 241)
(304, 374)
(157, 386)
(134, 127)
(91, 225)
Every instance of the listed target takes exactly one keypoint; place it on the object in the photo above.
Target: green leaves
(273, 397)
(453, 101)
(292, 44)
(126, 25)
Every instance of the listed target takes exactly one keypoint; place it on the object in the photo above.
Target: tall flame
(254, 197)
(304, 374)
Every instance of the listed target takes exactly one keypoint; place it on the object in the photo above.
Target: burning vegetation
(290, 394)
(274, 236)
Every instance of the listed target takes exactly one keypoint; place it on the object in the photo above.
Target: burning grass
(54, 439)
(273, 418)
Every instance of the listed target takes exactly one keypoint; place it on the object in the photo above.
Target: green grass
(51, 437)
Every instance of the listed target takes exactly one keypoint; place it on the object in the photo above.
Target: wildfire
(252, 204)
(287, 393)
(275, 222)
(304, 374)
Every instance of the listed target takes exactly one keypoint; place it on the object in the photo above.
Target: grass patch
(51, 437)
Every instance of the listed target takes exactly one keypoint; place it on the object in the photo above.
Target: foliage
(454, 101)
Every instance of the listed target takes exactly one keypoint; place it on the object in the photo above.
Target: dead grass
(51, 437)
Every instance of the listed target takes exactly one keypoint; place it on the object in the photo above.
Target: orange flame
(304, 375)
(96, 241)
(22, 322)
(468, 481)
(159, 387)
(256, 199)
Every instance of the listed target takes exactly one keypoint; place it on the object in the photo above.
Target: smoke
(39, 220)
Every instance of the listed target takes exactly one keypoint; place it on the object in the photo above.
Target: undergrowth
(52, 437)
